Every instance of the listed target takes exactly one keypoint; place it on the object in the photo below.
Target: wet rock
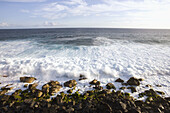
(150, 92)
(27, 79)
(135, 110)
(141, 79)
(133, 89)
(148, 85)
(70, 110)
(53, 83)
(8, 85)
(133, 81)
(161, 107)
(55, 89)
(122, 88)
(26, 85)
(47, 100)
(98, 87)
(121, 105)
(4, 75)
(139, 102)
(160, 92)
(33, 103)
(33, 86)
(5, 88)
(46, 88)
(106, 91)
(110, 86)
(119, 80)
(94, 82)
(39, 93)
(5, 97)
(3, 92)
(82, 77)
(158, 85)
(28, 101)
(69, 91)
(70, 83)
(5, 108)
(124, 84)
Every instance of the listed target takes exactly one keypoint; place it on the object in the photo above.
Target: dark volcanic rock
(98, 87)
(55, 89)
(122, 88)
(160, 92)
(33, 86)
(46, 88)
(26, 85)
(133, 81)
(82, 77)
(3, 92)
(53, 83)
(92, 101)
(119, 80)
(70, 91)
(70, 83)
(110, 86)
(94, 82)
(133, 89)
(27, 79)
(39, 93)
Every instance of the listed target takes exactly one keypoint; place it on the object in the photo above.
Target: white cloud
(23, 0)
(150, 12)
(80, 7)
(25, 11)
(75, 2)
(46, 23)
(4, 24)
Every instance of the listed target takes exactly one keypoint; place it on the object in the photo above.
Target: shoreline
(99, 99)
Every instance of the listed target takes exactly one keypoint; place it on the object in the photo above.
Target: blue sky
(84, 13)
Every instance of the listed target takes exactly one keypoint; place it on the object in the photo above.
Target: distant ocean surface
(103, 54)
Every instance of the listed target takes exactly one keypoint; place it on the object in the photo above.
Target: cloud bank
(23, 0)
(133, 8)
(4, 24)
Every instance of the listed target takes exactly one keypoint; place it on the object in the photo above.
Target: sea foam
(106, 61)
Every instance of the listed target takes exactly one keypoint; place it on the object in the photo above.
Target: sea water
(97, 53)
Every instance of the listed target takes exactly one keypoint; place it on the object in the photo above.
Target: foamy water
(101, 58)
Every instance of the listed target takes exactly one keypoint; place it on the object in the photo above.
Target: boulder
(26, 85)
(27, 79)
(82, 77)
(3, 92)
(46, 88)
(141, 79)
(94, 82)
(39, 93)
(33, 86)
(160, 92)
(119, 80)
(122, 88)
(70, 91)
(110, 86)
(98, 87)
(133, 89)
(133, 81)
(53, 83)
(70, 83)
(55, 89)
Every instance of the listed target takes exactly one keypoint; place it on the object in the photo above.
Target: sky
(85, 13)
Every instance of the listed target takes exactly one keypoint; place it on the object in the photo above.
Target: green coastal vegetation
(98, 100)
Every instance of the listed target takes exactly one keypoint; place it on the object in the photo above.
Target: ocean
(98, 53)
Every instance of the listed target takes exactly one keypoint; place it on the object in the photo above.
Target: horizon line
(83, 28)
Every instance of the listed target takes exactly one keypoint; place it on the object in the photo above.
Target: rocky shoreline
(99, 100)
